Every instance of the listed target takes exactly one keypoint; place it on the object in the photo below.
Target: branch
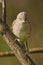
(36, 50)
(20, 53)
(33, 50)
(2, 54)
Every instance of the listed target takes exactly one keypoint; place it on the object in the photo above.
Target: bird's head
(22, 16)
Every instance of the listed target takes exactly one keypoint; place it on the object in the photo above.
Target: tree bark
(12, 42)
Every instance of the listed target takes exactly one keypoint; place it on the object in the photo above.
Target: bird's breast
(17, 27)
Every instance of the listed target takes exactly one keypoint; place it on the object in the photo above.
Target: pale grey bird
(21, 28)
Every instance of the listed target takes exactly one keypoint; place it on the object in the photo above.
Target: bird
(21, 27)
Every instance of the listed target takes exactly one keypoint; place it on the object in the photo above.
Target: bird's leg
(26, 47)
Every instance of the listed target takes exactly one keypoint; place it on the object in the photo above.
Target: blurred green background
(35, 10)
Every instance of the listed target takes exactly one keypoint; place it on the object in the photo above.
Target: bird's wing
(25, 31)
(26, 27)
